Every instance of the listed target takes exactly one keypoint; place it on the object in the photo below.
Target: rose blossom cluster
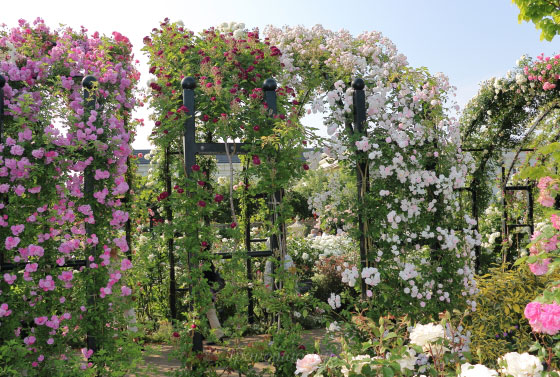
(42, 170)
(545, 71)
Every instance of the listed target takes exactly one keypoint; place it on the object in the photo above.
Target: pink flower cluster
(542, 245)
(49, 210)
(546, 70)
(543, 318)
(548, 187)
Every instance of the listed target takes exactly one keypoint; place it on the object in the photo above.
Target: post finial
(188, 83)
(269, 85)
(358, 84)
(88, 81)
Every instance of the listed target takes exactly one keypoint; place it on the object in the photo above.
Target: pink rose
(4, 311)
(540, 267)
(125, 291)
(29, 340)
(8, 278)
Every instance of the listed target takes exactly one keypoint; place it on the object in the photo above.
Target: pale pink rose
(545, 199)
(308, 364)
(544, 182)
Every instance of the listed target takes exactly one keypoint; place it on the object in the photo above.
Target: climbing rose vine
(52, 139)
(411, 154)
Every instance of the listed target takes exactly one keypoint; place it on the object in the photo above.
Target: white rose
(424, 335)
(478, 370)
(239, 34)
(520, 365)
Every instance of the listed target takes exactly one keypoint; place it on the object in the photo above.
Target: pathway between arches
(159, 363)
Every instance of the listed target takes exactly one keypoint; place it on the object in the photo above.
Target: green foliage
(12, 358)
(545, 14)
(286, 348)
(498, 325)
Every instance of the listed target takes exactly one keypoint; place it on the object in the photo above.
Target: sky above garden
(469, 41)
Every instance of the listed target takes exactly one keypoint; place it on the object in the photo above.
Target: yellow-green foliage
(498, 326)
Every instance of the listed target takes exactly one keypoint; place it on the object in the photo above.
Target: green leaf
(520, 261)
(387, 372)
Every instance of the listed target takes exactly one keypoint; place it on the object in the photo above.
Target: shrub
(498, 325)
(328, 276)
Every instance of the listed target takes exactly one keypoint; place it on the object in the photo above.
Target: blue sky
(470, 41)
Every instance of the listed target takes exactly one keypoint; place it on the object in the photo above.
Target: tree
(545, 14)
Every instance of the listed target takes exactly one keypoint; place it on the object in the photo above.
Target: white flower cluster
(357, 363)
(349, 276)
(371, 276)
(313, 158)
(11, 54)
(430, 338)
(408, 272)
(237, 28)
(491, 240)
(402, 150)
(333, 327)
(334, 301)
(329, 245)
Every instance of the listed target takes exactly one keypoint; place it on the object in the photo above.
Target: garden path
(159, 362)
